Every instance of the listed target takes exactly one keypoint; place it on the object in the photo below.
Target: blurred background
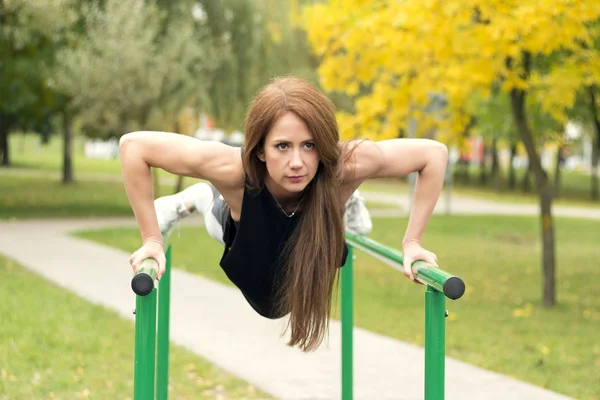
(512, 88)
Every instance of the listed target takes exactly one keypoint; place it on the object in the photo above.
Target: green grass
(498, 324)
(25, 196)
(55, 345)
(33, 197)
(27, 152)
(374, 205)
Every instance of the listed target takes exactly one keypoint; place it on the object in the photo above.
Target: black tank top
(253, 247)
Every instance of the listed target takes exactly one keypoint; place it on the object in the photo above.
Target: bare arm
(396, 158)
(178, 154)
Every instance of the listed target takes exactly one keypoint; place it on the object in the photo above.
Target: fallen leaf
(190, 366)
(524, 312)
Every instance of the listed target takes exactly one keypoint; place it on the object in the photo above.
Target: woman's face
(290, 156)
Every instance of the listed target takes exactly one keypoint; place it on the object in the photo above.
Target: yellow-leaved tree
(393, 56)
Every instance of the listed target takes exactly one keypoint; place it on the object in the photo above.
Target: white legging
(215, 212)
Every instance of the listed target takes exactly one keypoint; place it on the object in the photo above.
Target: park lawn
(34, 197)
(375, 205)
(498, 324)
(27, 152)
(55, 345)
(23, 197)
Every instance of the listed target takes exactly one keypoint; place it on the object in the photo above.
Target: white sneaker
(172, 209)
(356, 215)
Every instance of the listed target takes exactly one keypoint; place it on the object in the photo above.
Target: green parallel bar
(435, 333)
(347, 326)
(148, 266)
(162, 347)
(144, 280)
(433, 276)
(145, 341)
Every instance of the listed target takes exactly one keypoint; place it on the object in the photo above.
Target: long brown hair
(313, 255)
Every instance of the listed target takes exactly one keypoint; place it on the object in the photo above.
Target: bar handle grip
(143, 281)
(452, 286)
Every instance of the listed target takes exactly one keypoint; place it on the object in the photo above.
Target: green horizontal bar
(440, 280)
(149, 266)
(144, 280)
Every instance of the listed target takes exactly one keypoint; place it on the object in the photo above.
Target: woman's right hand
(150, 249)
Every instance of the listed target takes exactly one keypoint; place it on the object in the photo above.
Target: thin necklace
(281, 208)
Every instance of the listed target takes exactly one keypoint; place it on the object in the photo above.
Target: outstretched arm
(397, 158)
(178, 154)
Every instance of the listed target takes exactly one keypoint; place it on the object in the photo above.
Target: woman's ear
(261, 155)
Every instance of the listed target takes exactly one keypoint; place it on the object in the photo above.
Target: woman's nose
(296, 161)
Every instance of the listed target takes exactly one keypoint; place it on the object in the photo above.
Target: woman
(284, 197)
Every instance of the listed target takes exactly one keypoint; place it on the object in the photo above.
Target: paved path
(214, 321)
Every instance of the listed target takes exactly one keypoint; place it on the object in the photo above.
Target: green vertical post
(162, 346)
(347, 326)
(145, 342)
(435, 333)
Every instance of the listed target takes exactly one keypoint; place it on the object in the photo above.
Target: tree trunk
(527, 177)
(557, 168)
(67, 150)
(482, 171)
(495, 172)
(548, 253)
(4, 121)
(512, 179)
(178, 185)
(544, 189)
(4, 148)
(595, 144)
(466, 174)
(461, 170)
(595, 159)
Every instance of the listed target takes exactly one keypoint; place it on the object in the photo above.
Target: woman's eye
(282, 146)
(309, 145)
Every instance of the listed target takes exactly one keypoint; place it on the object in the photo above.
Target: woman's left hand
(412, 251)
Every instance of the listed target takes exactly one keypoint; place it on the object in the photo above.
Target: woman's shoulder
(361, 159)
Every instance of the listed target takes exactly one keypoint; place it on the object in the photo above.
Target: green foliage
(391, 55)
(125, 67)
(135, 64)
(256, 40)
(30, 33)
(494, 118)
(41, 197)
